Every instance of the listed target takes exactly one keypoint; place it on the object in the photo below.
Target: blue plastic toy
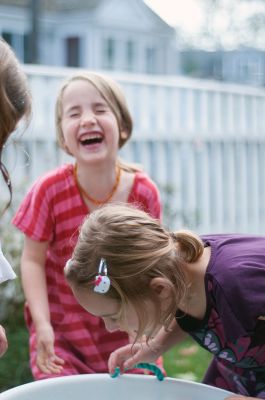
(152, 367)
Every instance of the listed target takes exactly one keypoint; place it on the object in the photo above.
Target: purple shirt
(230, 329)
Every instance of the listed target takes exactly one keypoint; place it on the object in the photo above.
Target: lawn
(187, 361)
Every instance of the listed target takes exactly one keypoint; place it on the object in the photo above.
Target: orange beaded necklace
(109, 196)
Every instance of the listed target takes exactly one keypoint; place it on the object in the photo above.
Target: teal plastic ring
(151, 367)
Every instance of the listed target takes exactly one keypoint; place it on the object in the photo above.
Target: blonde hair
(15, 99)
(113, 95)
(137, 249)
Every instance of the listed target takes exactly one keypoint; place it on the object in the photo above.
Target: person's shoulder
(142, 178)
(233, 240)
(145, 188)
(235, 257)
(229, 241)
(54, 176)
(235, 276)
(146, 195)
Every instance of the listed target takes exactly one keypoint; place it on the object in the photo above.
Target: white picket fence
(203, 142)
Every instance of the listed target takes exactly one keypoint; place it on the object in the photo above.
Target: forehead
(96, 304)
(81, 89)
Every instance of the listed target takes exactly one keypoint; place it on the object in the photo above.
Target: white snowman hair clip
(102, 281)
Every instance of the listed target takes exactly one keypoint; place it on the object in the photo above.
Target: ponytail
(190, 246)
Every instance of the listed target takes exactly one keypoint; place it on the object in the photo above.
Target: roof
(54, 5)
(75, 5)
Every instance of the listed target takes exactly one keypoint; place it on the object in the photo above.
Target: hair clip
(102, 281)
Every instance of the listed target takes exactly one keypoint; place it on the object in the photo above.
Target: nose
(111, 326)
(88, 118)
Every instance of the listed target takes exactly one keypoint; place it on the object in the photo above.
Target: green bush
(14, 365)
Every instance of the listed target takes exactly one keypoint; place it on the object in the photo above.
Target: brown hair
(137, 249)
(15, 99)
(113, 95)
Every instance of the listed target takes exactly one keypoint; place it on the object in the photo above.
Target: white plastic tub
(103, 387)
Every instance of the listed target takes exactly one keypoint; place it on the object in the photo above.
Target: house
(242, 65)
(115, 35)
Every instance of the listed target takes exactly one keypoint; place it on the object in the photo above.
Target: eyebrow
(78, 107)
(100, 103)
(72, 108)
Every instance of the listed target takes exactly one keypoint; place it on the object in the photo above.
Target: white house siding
(119, 20)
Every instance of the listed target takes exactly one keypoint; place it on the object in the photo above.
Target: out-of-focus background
(193, 73)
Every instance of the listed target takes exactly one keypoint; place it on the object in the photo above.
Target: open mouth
(95, 139)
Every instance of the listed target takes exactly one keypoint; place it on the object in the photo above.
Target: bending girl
(164, 285)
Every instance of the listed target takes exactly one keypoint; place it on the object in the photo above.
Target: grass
(186, 361)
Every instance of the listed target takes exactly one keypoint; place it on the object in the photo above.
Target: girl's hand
(239, 397)
(3, 341)
(128, 356)
(47, 361)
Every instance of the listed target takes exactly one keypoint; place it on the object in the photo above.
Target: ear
(161, 287)
(124, 135)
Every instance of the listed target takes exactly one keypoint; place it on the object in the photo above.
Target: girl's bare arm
(35, 289)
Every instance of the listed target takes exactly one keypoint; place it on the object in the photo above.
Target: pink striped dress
(53, 211)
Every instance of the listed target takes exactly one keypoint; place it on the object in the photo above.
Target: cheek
(131, 324)
(68, 126)
(64, 129)
(113, 124)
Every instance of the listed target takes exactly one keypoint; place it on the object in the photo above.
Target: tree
(230, 24)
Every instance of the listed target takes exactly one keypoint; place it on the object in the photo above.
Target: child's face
(100, 306)
(90, 128)
(109, 310)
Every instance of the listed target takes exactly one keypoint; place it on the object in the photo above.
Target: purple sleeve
(240, 300)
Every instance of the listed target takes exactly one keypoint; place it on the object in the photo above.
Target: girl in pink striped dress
(93, 122)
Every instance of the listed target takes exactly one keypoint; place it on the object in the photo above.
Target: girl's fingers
(57, 360)
(116, 359)
(3, 341)
(124, 358)
(48, 362)
(53, 367)
(239, 397)
(132, 361)
(48, 366)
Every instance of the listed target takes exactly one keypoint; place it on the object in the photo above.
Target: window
(16, 41)
(130, 54)
(150, 60)
(8, 37)
(109, 53)
(27, 48)
(249, 69)
(73, 52)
